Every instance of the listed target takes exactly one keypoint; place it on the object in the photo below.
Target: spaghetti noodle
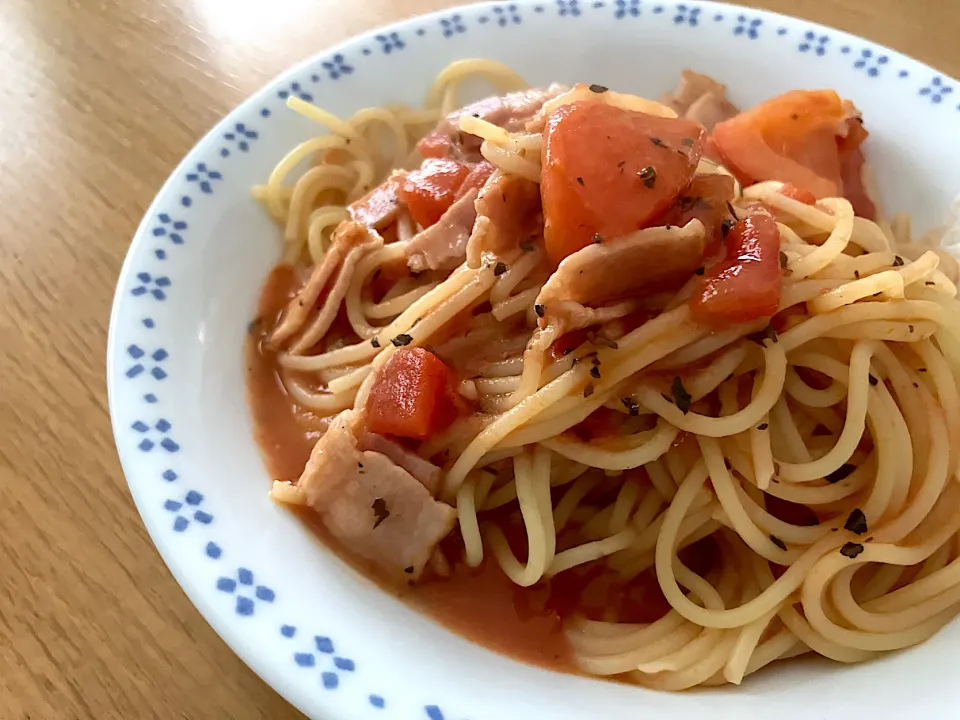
(783, 480)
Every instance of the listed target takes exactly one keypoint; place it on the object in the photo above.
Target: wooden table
(99, 99)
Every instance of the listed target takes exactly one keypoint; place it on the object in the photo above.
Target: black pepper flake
(380, 511)
(631, 406)
(597, 238)
(851, 549)
(402, 339)
(594, 360)
(856, 274)
(541, 310)
(761, 337)
(688, 142)
(528, 246)
(856, 522)
(595, 372)
(681, 398)
(841, 473)
(872, 378)
(598, 88)
(360, 465)
(763, 426)
(499, 269)
(776, 468)
(897, 261)
(408, 569)
(375, 342)
(783, 260)
(916, 385)
(929, 283)
(778, 542)
(700, 270)
(794, 116)
(726, 226)
(621, 163)
(588, 390)
(658, 142)
(910, 328)
(648, 175)
(580, 180)
(921, 369)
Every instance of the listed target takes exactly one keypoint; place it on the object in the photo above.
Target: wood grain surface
(99, 100)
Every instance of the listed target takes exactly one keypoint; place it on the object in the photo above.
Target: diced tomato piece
(746, 285)
(479, 175)
(851, 170)
(799, 194)
(435, 144)
(706, 199)
(610, 171)
(568, 342)
(412, 396)
(791, 138)
(429, 191)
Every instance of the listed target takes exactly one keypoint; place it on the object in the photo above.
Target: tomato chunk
(851, 170)
(799, 194)
(791, 138)
(475, 180)
(412, 396)
(429, 191)
(747, 284)
(706, 199)
(435, 144)
(610, 171)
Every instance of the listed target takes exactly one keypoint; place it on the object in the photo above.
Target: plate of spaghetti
(517, 349)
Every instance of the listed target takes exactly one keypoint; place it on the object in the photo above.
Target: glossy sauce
(481, 604)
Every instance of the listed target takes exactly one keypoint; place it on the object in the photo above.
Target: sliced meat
(375, 508)
(426, 473)
(379, 207)
(443, 245)
(700, 98)
(349, 234)
(508, 212)
(637, 265)
(510, 111)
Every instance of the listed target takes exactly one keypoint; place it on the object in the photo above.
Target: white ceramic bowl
(322, 635)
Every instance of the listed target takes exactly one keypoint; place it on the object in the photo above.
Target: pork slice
(379, 207)
(508, 212)
(626, 268)
(373, 507)
(426, 473)
(700, 98)
(443, 245)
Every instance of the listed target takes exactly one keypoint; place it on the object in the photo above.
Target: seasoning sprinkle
(528, 246)
(631, 406)
(921, 369)
(408, 569)
(687, 141)
(783, 260)
(841, 473)
(856, 522)
(597, 238)
(776, 468)
(778, 542)
(648, 175)
(763, 426)
(588, 390)
(499, 269)
(402, 339)
(541, 310)
(726, 226)
(794, 116)
(380, 511)
(658, 142)
(375, 342)
(851, 549)
(681, 398)
(761, 337)
(910, 328)
(580, 180)
(916, 385)
(929, 283)
(621, 163)
(700, 270)
(856, 274)
(598, 88)
(897, 261)
(595, 372)
(872, 378)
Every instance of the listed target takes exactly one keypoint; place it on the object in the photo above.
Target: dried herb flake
(375, 342)
(588, 390)
(851, 549)
(597, 238)
(380, 511)
(408, 569)
(541, 310)
(688, 142)
(897, 261)
(856, 522)
(499, 269)
(778, 542)
(631, 406)
(681, 398)
(700, 270)
(580, 180)
(648, 175)
(595, 372)
(402, 339)
(598, 88)
(658, 142)
(763, 426)
(783, 260)
(872, 378)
